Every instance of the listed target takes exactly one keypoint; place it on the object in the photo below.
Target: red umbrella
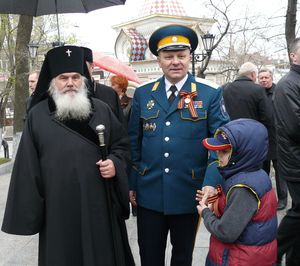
(115, 66)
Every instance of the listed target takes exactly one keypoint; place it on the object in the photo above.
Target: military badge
(198, 104)
(155, 86)
(150, 104)
(146, 126)
(153, 127)
(186, 101)
(149, 126)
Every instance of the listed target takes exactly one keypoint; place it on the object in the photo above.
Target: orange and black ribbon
(212, 199)
(187, 98)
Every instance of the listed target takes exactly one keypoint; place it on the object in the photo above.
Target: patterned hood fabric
(249, 140)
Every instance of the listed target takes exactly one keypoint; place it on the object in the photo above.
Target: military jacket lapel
(159, 94)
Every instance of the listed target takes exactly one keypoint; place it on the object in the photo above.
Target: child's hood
(249, 140)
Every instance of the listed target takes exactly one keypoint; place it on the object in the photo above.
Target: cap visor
(214, 144)
(174, 48)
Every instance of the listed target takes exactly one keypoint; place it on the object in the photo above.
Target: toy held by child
(243, 221)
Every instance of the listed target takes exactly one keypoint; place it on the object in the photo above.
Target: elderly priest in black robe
(60, 187)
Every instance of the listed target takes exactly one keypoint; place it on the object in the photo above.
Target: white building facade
(131, 45)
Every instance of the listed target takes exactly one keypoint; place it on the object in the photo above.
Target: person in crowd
(287, 106)
(120, 84)
(265, 78)
(169, 118)
(32, 81)
(101, 91)
(4, 143)
(246, 99)
(63, 185)
(243, 220)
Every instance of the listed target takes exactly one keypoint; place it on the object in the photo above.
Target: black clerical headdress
(63, 59)
(88, 54)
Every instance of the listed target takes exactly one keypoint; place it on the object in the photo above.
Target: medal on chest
(186, 100)
(150, 104)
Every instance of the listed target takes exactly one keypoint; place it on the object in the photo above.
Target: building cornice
(138, 21)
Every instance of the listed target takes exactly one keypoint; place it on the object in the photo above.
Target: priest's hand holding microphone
(106, 166)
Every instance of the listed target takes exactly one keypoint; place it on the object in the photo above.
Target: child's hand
(202, 195)
(199, 195)
(208, 191)
(201, 207)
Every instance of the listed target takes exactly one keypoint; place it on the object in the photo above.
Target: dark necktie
(172, 97)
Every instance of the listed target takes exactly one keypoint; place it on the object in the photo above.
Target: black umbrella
(47, 7)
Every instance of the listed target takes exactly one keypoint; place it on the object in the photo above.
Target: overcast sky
(94, 29)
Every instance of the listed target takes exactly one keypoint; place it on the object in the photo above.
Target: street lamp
(208, 42)
(57, 44)
(33, 47)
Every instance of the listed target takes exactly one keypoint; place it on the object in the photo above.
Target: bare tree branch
(290, 23)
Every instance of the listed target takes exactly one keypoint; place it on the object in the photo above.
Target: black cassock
(109, 96)
(56, 190)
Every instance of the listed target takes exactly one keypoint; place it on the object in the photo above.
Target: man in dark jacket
(287, 106)
(265, 78)
(103, 92)
(32, 82)
(245, 99)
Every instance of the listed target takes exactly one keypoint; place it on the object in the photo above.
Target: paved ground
(22, 250)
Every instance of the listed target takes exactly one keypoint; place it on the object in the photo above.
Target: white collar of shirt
(178, 85)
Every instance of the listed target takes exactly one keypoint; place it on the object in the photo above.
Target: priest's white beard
(71, 105)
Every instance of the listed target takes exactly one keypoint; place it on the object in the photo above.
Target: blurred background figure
(32, 81)
(120, 84)
(5, 148)
(265, 79)
(245, 99)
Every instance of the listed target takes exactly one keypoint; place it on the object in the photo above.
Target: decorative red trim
(215, 147)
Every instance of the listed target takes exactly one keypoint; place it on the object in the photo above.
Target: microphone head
(100, 128)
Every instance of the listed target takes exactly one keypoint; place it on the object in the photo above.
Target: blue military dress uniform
(170, 163)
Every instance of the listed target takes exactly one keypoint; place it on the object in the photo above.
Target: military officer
(169, 119)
